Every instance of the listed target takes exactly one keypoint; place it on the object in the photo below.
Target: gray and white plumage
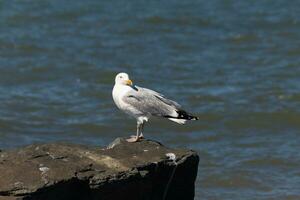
(142, 103)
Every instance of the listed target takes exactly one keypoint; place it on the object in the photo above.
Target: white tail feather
(179, 121)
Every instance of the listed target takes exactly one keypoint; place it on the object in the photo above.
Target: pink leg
(139, 134)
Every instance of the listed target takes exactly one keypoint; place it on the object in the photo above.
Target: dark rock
(123, 171)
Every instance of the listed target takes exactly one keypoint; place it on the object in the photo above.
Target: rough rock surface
(60, 171)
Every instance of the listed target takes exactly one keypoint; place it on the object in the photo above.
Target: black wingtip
(184, 115)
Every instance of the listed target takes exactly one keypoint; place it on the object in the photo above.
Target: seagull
(142, 103)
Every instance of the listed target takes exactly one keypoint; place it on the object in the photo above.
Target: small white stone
(44, 169)
(171, 156)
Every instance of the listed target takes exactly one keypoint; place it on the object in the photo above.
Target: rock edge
(144, 170)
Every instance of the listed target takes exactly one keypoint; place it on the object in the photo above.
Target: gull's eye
(121, 76)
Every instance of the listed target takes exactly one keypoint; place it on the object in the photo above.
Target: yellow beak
(129, 82)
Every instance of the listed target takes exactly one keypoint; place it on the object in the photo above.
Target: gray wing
(150, 102)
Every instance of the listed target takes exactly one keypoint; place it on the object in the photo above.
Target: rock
(123, 171)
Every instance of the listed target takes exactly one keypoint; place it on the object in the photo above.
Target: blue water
(235, 64)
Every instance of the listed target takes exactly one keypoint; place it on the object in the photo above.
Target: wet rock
(143, 170)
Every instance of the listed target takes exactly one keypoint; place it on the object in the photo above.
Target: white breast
(119, 91)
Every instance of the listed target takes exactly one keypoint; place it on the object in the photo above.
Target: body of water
(235, 64)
